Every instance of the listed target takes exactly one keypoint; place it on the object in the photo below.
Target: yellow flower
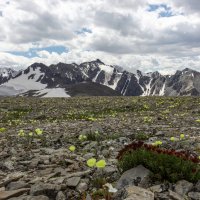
(72, 148)
(182, 136)
(91, 162)
(157, 143)
(2, 129)
(101, 164)
(172, 139)
(21, 133)
(38, 131)
(199, 157)
(82, 137)
(30, 134)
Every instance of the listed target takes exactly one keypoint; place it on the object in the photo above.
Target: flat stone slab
(13, 193)
(73, 182)
(139, 193)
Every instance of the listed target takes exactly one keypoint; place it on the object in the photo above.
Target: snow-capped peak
(42, 78)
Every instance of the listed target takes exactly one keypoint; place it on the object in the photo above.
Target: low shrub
(172, 165)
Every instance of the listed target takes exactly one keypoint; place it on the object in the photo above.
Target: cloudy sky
(149, 35)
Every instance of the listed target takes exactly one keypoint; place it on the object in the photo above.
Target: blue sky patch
(167, 10)
(83, 30)
(33, 51)
(57, 49)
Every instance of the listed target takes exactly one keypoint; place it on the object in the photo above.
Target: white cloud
(122, 32)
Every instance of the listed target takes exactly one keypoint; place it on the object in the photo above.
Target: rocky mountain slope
(38, 77)
(6, 74)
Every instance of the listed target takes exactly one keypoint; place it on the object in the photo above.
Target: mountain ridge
(38, 76)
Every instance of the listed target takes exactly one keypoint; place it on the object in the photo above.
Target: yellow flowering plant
(182, 136)
(21, 133)
(172, 139)
(101, 164)
(38, 131)
(157, 143)
(82, 137)
(72, 148)
(91, 162)
(30, 134)
(2, 129)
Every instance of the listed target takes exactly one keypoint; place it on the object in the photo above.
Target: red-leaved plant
(171, 164)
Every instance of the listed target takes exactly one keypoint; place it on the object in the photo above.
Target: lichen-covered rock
(135, 176)
(182, 187)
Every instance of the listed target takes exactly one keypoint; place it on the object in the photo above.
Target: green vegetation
(171, 165)
(93, 108)
(93, 136)
(141, 136)
(26, 138)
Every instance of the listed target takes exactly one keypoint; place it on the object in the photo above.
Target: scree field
(49, 141)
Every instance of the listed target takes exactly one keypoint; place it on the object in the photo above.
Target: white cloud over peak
(148, 35)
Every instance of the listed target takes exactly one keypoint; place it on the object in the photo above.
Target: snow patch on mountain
(108, 69)
(8, 91)
(117, 79)
(124, 89)
(26, 82)
(95, 78)
(30, 82)
(147, 92)
(4, 72)
(52, 92)
(162, 91)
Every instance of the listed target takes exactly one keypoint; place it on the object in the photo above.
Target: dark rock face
(66, 73)
(90, 89)
(186, 82)
(133, 88)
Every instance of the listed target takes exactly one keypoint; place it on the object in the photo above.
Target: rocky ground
(41, 166)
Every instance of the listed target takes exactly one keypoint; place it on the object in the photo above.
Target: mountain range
(95, 79)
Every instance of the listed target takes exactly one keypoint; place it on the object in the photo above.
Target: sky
(149, 35)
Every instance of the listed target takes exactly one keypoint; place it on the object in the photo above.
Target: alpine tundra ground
(116, 116)
(43, 154)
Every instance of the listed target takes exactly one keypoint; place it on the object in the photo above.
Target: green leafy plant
(142, 136)
(27, 138)
(148, 119)
(82, 138)
(99, 182)
(2, 130)
(93, 136)
(172, 165)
